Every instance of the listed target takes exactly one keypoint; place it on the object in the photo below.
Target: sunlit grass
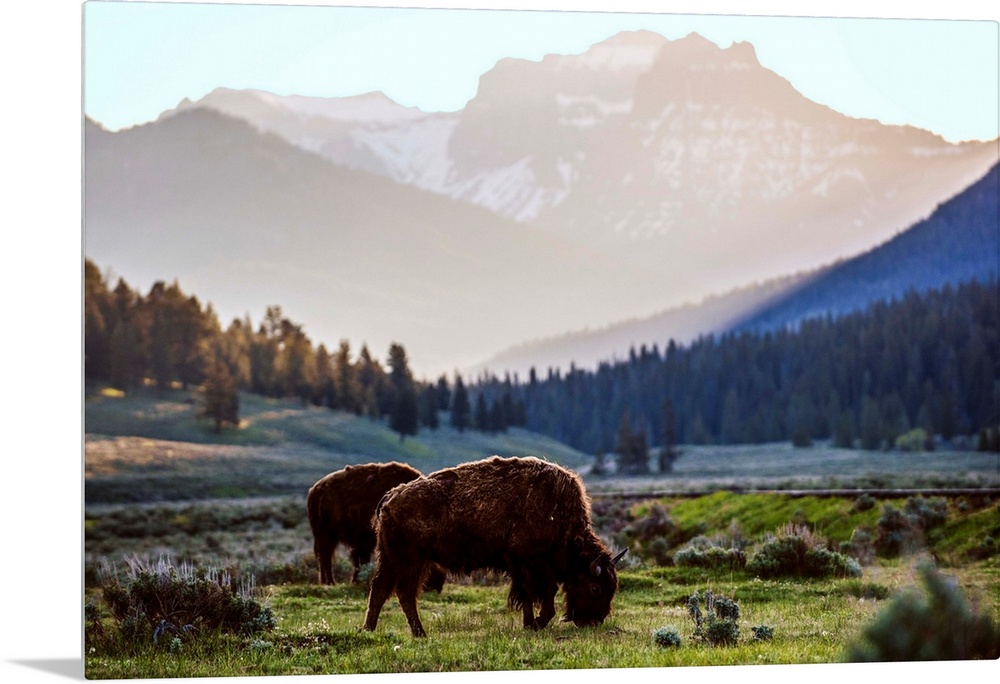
(470, 628)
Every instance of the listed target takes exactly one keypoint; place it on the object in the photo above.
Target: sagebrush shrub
(158, 600)
(863, 503)
(926, 513)
(714, 557)
(937, 624)
(654, 534)
(717, 624)
(666, 637)
(901, 532)
(801, 556)
(659, 549)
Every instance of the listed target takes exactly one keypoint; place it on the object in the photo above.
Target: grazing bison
(340, 507)
(521, 516)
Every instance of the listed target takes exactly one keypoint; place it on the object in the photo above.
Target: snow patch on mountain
(511, 190)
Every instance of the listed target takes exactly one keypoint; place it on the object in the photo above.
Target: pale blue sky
(143, 58)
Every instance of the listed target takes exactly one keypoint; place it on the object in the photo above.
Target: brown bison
(340, 508)
(521, 516)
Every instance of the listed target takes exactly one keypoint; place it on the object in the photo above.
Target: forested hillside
(926, 361)
(960, 241)
(168, 338)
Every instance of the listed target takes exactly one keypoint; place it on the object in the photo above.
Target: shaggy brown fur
(340, 508)
(522, 516)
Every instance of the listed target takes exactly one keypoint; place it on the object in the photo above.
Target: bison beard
(522, 516)
(340, 508)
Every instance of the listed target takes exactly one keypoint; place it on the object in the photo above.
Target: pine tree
(481, 418)
(405, 416)
(497, 417)
(443, 394)
(668, 448)
(404, 408)
(324, 392)
(221, 401)
(429, 407)
(126, 356)
(632, 447)
(871, 425)
(98, 324)
(371, 382)
(345, 380)
(460, 406)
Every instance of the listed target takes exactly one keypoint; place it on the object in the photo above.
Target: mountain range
(572, 192)
(959, 242)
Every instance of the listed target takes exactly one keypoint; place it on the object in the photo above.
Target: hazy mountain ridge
(959, 242)
(648, 149)
(246, 220)
(682, 324)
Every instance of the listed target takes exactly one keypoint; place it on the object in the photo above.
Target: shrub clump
(168, 604)
(762, 632)
(713, 558)
(863, 503)
(861, 546)
(653, 535)
(795, 552)
(667, 637)
(717, 623)
(901, 532)
(938, 624)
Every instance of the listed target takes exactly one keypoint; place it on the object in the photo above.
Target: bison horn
(614, 561)
(595, 567)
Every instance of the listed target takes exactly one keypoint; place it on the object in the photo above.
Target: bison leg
(383, 584)
(521, 596)
(358, 558)
(548, 610)
(406, 593)
(324, 546)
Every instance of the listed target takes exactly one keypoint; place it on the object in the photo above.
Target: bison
(525, 517)
(340, 507)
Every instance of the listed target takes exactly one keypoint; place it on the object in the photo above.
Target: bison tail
(314, 512)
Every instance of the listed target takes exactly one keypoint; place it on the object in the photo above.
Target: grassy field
(469, 628)
(150, 447)
(158, 483)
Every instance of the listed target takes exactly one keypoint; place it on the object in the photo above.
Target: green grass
(469, 624)
(470, 628)
(757, 514)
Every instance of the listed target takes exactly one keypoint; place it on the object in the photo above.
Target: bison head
(589, 592)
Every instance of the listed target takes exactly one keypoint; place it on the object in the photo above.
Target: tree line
(898, 373)
(923, 364)
(167, 338)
